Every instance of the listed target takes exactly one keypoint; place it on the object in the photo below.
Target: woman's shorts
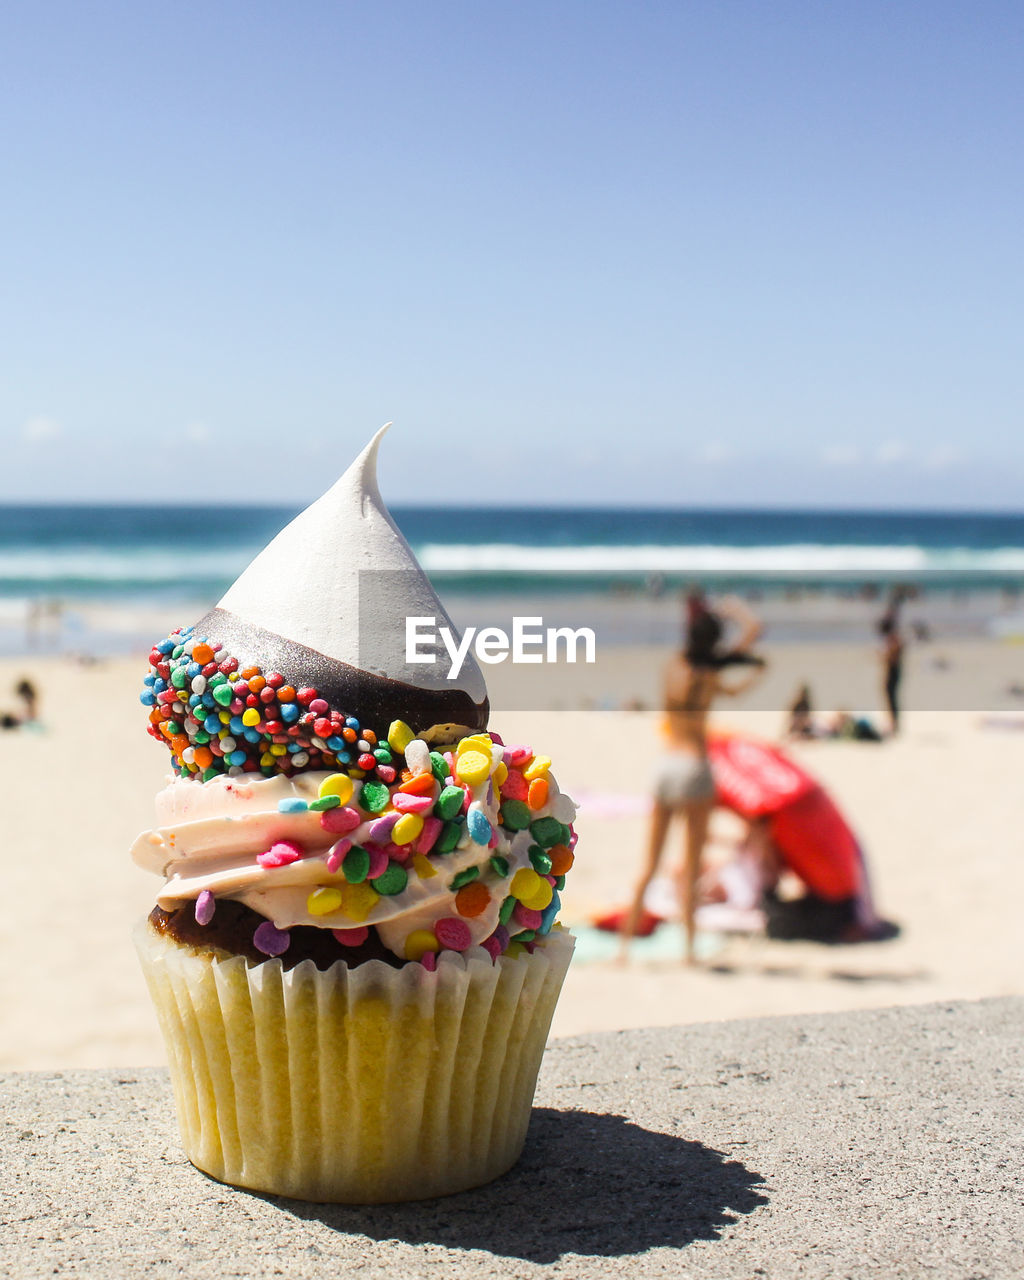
(683, 779)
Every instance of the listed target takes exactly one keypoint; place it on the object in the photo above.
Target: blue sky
(715, 253)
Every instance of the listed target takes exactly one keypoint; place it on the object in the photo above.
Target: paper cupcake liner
(361, 1085)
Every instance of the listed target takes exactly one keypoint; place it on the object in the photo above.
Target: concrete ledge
(874, 1144)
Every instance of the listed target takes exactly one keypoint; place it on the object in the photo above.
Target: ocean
(156, 552)
(75, 559)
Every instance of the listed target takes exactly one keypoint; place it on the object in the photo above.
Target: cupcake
(355, 954)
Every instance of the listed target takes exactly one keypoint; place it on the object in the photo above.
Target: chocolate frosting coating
(234, 924)
(374, 700)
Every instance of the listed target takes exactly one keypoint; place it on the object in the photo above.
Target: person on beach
(27, 695)
(892, 660)
(793, 828)
(800, 722)
(683, 785)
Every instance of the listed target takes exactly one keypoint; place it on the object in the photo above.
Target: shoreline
(621, 613)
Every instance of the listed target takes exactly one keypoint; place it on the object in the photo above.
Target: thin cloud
(890, 452)
(716, 451)
(840, 455)
(197, 432)
(40, 428)
(943, 456)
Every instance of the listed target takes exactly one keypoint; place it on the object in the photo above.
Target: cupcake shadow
(587, 1183)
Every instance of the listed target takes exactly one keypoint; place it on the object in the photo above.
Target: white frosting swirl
(210, 836)
(342, 580)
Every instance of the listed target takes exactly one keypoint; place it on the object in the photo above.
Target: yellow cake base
(358, 1086)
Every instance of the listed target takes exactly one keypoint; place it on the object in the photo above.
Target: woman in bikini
(683, 784)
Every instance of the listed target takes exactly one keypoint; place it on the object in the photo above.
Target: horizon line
(476, 508)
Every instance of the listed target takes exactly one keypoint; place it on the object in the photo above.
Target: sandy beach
(937, 810)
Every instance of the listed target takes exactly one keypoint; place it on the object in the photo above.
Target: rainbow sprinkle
(218, 717)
